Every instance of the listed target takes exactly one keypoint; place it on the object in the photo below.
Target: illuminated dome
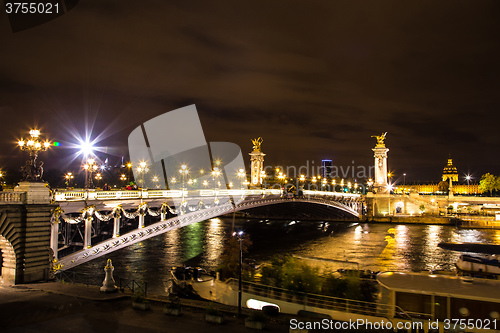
(450, 171)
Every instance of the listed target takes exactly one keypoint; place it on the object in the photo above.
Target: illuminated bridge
(94, 220)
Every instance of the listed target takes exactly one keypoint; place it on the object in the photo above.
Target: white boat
(481, 266)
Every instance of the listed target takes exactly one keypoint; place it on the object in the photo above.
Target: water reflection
(376, 247)
(192, 240)
(215, 237)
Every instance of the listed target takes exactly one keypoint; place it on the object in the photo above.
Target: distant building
(449, 172)
(326, 168)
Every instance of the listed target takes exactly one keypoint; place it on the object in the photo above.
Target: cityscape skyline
(315, 81)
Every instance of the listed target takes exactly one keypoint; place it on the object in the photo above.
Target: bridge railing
(93, 195)
(331, 194)
(78, 195)
(9, 197)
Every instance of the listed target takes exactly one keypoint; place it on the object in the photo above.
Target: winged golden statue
(257, 143)
(380, 139)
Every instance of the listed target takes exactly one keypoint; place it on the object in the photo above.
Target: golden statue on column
(257, 163)
(257, 143)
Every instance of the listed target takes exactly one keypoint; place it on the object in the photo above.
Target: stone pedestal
(108, 285)
(36, 193)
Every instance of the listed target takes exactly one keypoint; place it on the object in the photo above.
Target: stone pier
(25, 238)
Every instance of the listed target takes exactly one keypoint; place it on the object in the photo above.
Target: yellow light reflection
(214, 241)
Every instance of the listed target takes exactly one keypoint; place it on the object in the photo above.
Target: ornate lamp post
(173, 181)
(215, 176)
(142, 169)
(370, 184)
(98, 177)
(90, 167)
(33, 170)
(123, 178)
(155, 181)
(314, 180)
(129, 168)
(241, 175)
(69, 176)
(239, 236)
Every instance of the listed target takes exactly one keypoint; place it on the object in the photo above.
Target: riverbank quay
(57, 307)
(469, 222)
(408, 219)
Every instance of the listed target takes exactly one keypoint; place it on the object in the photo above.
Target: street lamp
(69, 176)
(90, 166)
(183, 171)
(241, 175)
(468, 178)
(123, 178)
(129, 167)
(142, 169)
(215, 174)
(239, 236)
(404, 179)
(33, 171)
(369, 183)
(155, 180)
(282, 178)
(263, 176)
(98, 177)
(173, 180)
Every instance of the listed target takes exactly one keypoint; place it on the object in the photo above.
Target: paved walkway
(55, 307)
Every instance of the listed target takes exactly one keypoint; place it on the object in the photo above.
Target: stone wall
(25, 242)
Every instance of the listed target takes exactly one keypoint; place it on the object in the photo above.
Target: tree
(230, 258)
(488, 183)
(422, 208)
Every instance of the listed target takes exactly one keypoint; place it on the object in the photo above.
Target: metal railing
(134, 286)
(70, 277)
(324, 302)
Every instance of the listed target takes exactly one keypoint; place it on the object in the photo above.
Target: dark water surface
(378, 247)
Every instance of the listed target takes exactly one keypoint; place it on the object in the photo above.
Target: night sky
(315, 79)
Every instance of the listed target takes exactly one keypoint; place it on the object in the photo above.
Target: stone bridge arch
(7, 261)
(24, 243)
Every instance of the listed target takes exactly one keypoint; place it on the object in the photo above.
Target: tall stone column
(87, 240)
(380, 154)
(54, 237)
(116, 226)
(257, 163)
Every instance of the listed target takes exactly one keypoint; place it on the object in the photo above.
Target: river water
(375, 246)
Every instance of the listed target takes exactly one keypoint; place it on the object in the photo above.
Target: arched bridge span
(346, 206)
